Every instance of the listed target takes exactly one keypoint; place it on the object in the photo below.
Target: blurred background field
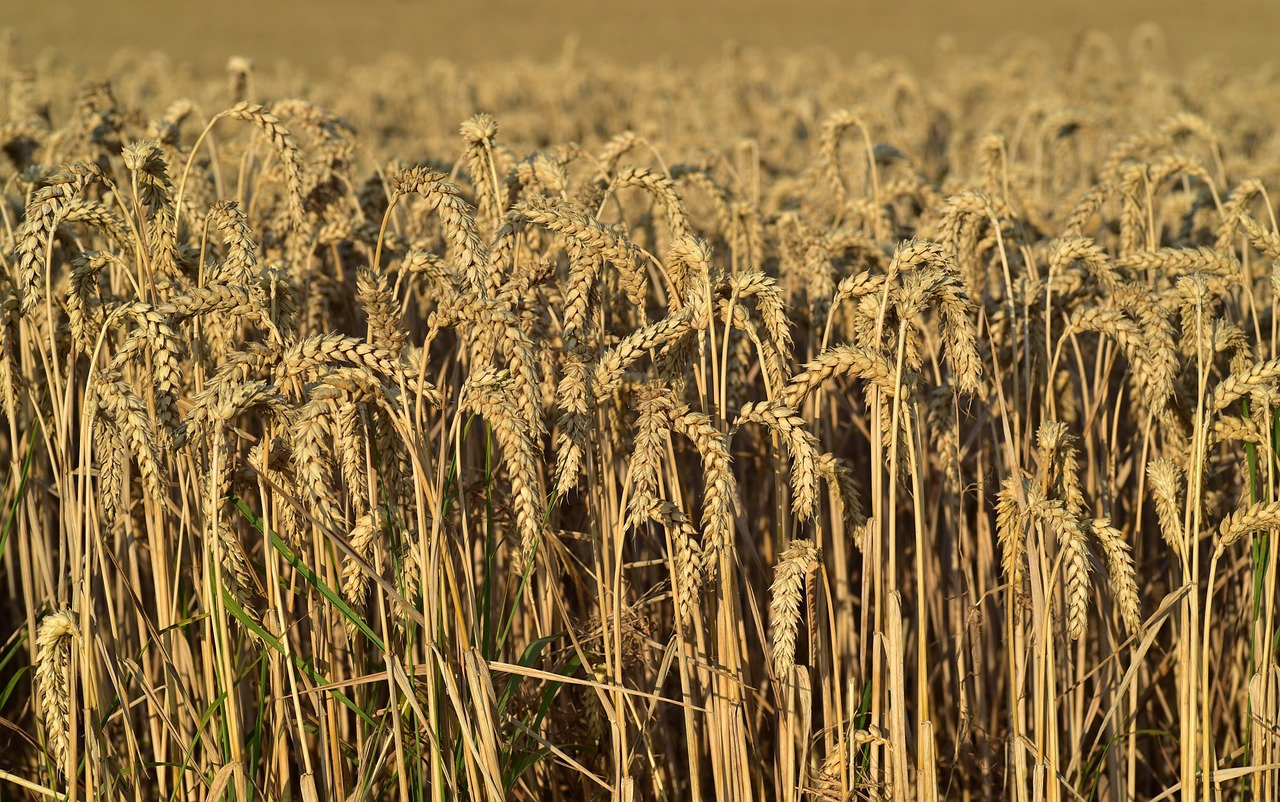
(318, 35)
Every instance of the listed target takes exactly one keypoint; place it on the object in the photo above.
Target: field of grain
(780, 427)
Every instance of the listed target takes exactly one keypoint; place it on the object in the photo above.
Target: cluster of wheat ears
(778, 429)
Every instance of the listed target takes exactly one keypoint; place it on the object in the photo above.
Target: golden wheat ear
(54, 639)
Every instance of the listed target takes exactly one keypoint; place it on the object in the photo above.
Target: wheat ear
(53, 684)
(785, 595)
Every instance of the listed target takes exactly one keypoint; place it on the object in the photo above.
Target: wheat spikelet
(1186, 122)
(617, 147)
(109, 449)
(45, 208)
(1172, 164)
(1067, 529)
(802, 445)
(84, 309)
(1010, 515)
(769, 302)
(197, 302)
(1260, 375)
(287, 150)
(53, 693)
(1230, 427)
(537, 174)
(457, 217)
(166, 352)
(1124, 584)
(688, 558)
(1152, 364)
(1085, 209)
(991, 161)
(488, 395)
(1246, 521)
(663, 189)
(310, 444)
(489, 325)
(864, 214)
(736, 319)
(96, 214)
(579, 292)
(654, 404)
(167, 128)
(720, 494)
(590, 235)
(1059, 460)
(1133, 183)
(959, 335)
(349, 446)
(1166, 490)
(691, 175)
(145, 159)
(133, 425)
(844, 487)
(355, 582)
(221, 403)
(236, 575)
(325, 349)
(241, 250)
(1265, 240)
(574, 396)
(1067, 250)
(478, 134)
(785, 595)
(832, 129)
(1234, 208)
(1182, 260)
(839, 360)
(239, 78)
(856, 286)
(1198, 306)
(383, 312)
(958, 229)
(607, 373)
(1160, 357)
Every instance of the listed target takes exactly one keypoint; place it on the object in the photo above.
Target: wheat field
(782, 428)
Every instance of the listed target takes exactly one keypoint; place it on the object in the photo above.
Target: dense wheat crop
(781, 429)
